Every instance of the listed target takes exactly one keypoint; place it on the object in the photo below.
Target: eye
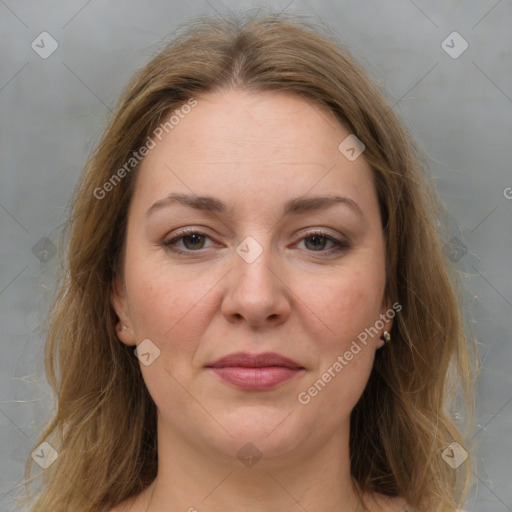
(318, 241)
(191, 240)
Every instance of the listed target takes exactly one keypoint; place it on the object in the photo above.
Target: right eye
(191, 240)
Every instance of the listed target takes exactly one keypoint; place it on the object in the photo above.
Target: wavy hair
(104, 426)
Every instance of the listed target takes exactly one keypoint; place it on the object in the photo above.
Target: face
(260, 265)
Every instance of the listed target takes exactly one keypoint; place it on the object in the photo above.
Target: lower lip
(256, 379)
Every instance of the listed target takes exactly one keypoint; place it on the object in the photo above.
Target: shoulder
(125, 506)
(381, 503)
(138, 503)
(121, 508)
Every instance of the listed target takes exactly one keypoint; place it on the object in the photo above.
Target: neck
(193, 480)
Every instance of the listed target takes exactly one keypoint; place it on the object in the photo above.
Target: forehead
(275, 122)
(258, 143)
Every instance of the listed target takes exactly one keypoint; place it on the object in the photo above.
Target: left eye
(318, 241)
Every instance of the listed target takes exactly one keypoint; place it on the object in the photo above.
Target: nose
(256, 293)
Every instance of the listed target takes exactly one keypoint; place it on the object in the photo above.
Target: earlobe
(386, 337)
(125, 334)
(386, 323)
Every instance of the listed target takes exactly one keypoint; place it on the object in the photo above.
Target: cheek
(158, 304)
(166, 311)
(171, 308)
(346, 304)
(345, 362)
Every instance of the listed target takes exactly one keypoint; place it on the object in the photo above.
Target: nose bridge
(255, 274)
(254, 292)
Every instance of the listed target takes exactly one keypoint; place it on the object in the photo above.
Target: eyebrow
(294, 206)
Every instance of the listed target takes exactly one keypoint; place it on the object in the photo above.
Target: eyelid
(187, 231)
(321, 232)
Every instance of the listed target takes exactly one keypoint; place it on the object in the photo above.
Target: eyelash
(339, 245)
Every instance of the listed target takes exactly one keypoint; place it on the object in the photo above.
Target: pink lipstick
(255, 372)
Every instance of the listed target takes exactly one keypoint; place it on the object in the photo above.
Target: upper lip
(255, 361)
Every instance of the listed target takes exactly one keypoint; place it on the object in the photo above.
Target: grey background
(53, 111)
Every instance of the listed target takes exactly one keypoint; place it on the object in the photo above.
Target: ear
(385, 322)
(118, 299)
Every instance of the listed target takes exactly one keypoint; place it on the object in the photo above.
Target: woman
(257, 313)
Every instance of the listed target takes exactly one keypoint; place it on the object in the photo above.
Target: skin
(299, 298)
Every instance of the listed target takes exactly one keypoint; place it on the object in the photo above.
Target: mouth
(255, 372)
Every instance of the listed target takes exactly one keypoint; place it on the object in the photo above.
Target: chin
(260, 433)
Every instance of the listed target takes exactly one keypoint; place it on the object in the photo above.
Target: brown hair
(104, 429)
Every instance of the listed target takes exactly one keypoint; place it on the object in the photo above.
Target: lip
(255, 372)
(263, 360)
